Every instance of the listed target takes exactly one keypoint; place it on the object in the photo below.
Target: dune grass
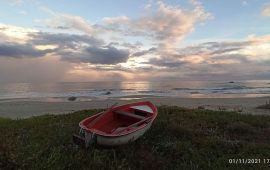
(264, 106)
(179, 139)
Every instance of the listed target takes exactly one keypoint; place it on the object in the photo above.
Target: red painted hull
(119, 124)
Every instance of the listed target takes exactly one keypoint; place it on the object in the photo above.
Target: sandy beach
(23, 108)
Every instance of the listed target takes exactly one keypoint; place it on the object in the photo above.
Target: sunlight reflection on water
(104, 90)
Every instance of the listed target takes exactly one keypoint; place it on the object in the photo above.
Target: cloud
(44, 56)
(266, 10)
(21, 50)
(215, 60)
(10, 33)
(166, 24)
(229, 59)
(144, 52)
(218, 59)
(161, 28)
(116, 20)
(82, 48)
(65, 21)
(72, 22)
(132, 45)
(65, 40)
(98, 55)
(213, 48)
(70, 47)
(107, 55)
(167, 63)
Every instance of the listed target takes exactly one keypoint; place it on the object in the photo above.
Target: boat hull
(119, 125)
(118, 140)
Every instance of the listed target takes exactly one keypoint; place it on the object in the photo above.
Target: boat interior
(122, 120)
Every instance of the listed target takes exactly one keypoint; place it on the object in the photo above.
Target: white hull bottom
(115, 140)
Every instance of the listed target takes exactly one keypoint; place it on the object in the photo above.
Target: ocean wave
(152, 91)
(214, 88)
(180, 88)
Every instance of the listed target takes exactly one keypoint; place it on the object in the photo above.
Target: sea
(128, 89)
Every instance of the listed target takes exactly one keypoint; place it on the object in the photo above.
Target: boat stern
(84, 139)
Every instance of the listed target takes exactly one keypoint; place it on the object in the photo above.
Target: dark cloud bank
(72, 48)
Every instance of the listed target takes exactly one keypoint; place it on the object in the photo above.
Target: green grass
(264, 106)
(179, 139)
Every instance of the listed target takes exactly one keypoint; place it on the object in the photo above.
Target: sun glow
(258, 52)
(194, 59)
(16, 33)
(46, 47)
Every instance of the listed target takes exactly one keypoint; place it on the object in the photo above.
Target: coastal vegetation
(179, 139)
(264, 106)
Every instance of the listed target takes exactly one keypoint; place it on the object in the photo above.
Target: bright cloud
(71, 22)
(164, 23)
(65, 22)
(10, 33)
(266, 10)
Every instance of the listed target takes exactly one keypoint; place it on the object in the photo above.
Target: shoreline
(25, 108)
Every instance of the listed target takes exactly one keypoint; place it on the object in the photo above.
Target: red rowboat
(118, 125)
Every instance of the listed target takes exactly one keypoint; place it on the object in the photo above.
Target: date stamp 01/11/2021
(249, 161)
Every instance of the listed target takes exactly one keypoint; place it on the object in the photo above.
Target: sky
(139, 40)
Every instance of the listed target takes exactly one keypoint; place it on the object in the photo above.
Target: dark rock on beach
(72, 98)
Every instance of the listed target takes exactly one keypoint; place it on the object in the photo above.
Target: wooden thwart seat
(122, 129)
(129, 114)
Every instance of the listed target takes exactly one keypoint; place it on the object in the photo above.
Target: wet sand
(23, 108)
